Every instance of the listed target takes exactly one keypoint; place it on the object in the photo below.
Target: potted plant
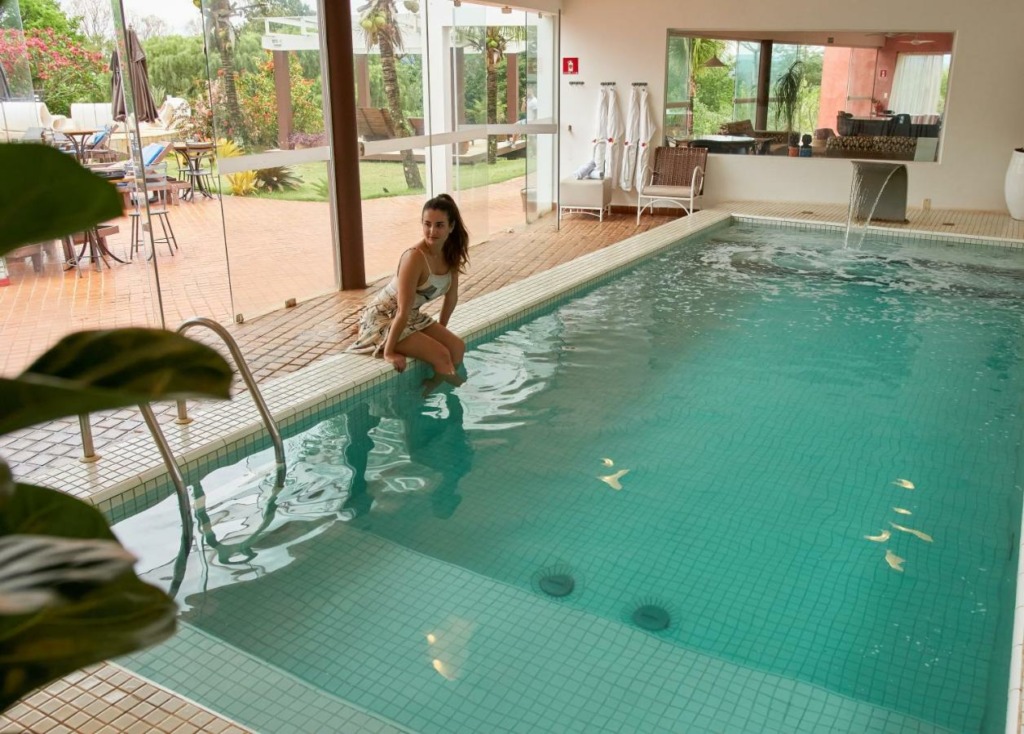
(787, 98)
(69, 595)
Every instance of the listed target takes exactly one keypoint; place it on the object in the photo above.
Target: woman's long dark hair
(456, 247)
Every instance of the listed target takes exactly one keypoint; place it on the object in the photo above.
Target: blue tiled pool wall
(312, 419)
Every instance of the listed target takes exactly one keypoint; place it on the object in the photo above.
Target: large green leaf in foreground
(94, 611)
(45, 194)
(98, 370)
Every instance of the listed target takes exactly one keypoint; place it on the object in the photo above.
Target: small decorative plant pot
(1014, 187)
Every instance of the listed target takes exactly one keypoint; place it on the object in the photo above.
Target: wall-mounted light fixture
(457, 3)
(506, 10)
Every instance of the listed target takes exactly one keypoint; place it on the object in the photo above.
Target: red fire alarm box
(570, 65)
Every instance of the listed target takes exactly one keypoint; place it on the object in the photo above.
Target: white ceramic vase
(1014, 188)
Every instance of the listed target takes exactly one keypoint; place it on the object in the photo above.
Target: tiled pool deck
(109, 699)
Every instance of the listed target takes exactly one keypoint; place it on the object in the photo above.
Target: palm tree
(492, 45)
(222, 34)
(377, 17)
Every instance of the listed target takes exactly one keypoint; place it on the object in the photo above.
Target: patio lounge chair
(97, 150)
(375, 123)
(675, 178)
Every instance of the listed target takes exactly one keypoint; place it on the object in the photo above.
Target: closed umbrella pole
(138, 70)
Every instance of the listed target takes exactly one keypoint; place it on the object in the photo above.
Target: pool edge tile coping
(890, 231)
(174, 694)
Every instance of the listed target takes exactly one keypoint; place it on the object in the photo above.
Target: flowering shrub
(307, 140)
(198, 125)
(62, 70)
(259, 103)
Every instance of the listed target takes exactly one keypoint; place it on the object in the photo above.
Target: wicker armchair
(675, 178)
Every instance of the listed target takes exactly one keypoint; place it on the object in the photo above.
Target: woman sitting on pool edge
(393, 326)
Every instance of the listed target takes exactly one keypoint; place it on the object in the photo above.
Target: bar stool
(139, 229)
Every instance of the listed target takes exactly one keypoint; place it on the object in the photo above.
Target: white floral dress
(375, 322)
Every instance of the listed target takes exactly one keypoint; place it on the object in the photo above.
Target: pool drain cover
(651, 617)
(557, 584)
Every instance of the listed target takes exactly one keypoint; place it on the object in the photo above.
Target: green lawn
(379, 179)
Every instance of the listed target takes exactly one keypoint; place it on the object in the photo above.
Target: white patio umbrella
(629, 143)
(613, 134)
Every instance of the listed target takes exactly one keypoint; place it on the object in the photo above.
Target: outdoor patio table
(192, 155)
(95, 239)
(78, 136)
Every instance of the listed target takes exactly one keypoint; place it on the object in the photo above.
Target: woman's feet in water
(432, 383)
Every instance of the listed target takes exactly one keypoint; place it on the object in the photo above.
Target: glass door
(540, 75)
(256, 157)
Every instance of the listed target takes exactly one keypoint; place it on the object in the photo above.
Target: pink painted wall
(847, 83)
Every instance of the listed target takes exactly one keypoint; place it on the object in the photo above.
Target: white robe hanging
(629, 143)
(613, 135)
(600, 131)
(645, 134)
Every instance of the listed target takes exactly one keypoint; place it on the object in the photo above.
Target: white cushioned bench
(586, 195)
(18, 117)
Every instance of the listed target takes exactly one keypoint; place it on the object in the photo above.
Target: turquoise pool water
(706, 447)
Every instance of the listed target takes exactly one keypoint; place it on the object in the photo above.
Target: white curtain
(915, 84)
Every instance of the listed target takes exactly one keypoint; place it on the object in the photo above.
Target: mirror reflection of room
(874, 95)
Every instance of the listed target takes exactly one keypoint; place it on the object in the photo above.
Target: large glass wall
(469, 112)
(225, 174)
(265, 175)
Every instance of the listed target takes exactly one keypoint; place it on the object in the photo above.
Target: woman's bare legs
(439, 348)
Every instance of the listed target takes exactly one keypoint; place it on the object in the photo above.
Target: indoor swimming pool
(760, 482)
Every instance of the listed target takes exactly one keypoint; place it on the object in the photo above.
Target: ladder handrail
(184, 506)
(243, 369)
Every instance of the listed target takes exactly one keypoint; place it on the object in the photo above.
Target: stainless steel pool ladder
(184, 505)
(254, 390)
